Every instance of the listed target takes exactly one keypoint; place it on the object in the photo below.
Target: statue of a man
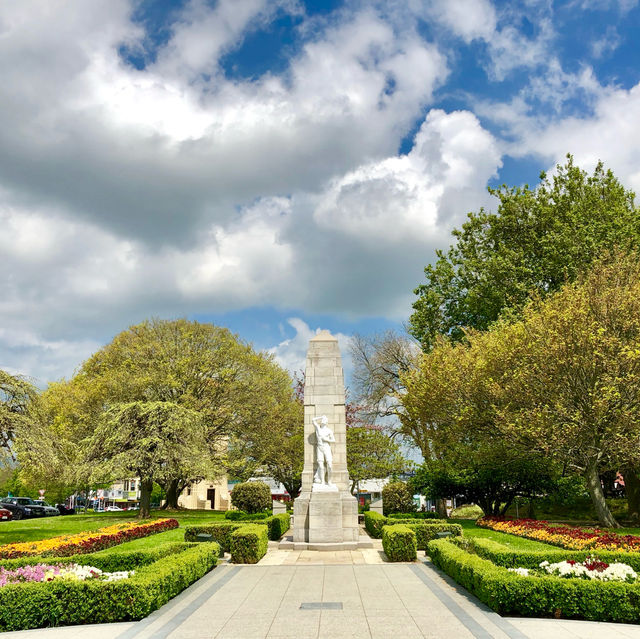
(324, 438)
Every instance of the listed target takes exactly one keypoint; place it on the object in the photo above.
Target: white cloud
(291, 353)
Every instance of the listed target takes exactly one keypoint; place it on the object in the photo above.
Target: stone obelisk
(325, 513)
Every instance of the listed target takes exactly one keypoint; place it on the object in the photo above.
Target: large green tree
(537, 240)
(17, 398)
(238, 392)
(155, 441)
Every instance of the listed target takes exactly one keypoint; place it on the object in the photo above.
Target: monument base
(326, 518)
(287, 543)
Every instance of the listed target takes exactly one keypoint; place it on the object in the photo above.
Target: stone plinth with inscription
(325, 513)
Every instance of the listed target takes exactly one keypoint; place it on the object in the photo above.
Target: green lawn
(471, 530)
(35, 529)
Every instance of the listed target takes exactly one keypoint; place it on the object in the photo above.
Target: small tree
(251, 496)
(397, 498)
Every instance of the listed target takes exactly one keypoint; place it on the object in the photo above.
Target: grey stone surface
(376, 506)
(324, 517)
(278, 507)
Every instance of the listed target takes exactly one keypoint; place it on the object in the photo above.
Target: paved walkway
(333, 602)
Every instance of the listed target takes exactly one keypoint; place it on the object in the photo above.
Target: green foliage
(510, 594)
(249, 544)
(278, 525)
(428, 532)
(251, 496)
(61, 602)
(373, 523)
(399, 543)
(397, 498)
(511, 557)
(241, 515)
(372, 454)
(415, 515)
(539, 239)
(467, 511)
(219, 531)
(17, 399)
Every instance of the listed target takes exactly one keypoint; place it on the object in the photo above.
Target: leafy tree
(538, 240)
(17, 397)
(239, 394)
(397, 498)
(372, 454)
(154, 441)
(251, 496)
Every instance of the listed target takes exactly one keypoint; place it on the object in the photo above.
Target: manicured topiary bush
(373, 523)
(251, 496)
(397, 498)
(220, 532)
(509, 593)
(428, 532)
(399, 543)
(278, 525)
(158, 577)
(249, 544)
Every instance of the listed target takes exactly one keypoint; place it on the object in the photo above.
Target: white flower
(520, 571)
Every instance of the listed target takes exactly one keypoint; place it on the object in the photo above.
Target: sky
(277, 166)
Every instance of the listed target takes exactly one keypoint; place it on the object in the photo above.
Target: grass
(470, 529)
(47, 527)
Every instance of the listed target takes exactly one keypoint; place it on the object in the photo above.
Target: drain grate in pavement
(321, 605)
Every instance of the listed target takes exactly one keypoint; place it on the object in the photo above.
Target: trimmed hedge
(399, 543)
(416, 515)
(241, 515)
(428, 532)
(220, 531)
(430, 522)
(249, 544)
(61, 602)
(508, 557)
(547, 596)
(278, 525)
(373, 523)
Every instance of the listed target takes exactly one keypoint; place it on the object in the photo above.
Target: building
(124, 493)
(206, 495)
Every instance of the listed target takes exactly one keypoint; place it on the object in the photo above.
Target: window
(126, 484)
(189, 491)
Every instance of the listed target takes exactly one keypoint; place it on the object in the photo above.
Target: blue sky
(277, 166)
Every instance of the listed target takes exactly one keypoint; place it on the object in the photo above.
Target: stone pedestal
(325, 517)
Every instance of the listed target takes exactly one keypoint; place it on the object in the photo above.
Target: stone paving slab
(378, 601)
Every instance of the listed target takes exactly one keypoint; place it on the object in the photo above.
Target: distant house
(206, 495)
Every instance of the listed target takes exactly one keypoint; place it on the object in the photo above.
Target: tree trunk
(146, 486)
(597, 496)
(171, 494)
(632, 491)
(441, 508)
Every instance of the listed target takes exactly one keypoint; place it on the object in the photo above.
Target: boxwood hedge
(249, 544)
(547, 596)
(399, 543)
(61, 602)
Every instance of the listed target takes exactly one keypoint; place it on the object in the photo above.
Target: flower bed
(50, 572)
(89, 541)
(590, 568)
(569, 537)
(510, 592)
(159, 575)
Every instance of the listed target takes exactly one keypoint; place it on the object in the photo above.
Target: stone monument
(325, 513)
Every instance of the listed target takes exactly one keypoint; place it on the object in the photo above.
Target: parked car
(49, 510)
(5, 514)
(111, 509)
(22, 507)
(63, 510)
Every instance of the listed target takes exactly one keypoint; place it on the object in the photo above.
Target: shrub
(251, 496)
(278, 525)
(62, 602)
(428, 532)
(397, 498)
(516, 558)
(249, 544)
(241, 515)
(373, 523)
(548, 596)
(399, 543)
(403, 520)
(468, 511)
(416, 515)
(220, 532)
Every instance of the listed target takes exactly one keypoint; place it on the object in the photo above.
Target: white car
(111, 509)
(49, 510)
